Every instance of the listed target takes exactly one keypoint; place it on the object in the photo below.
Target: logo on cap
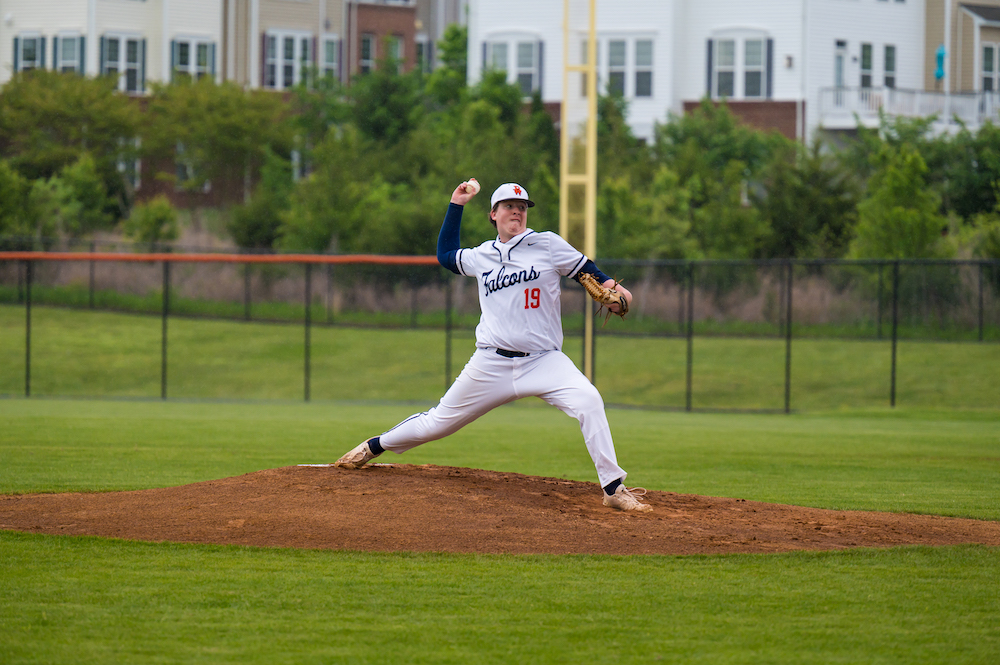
(510, 190)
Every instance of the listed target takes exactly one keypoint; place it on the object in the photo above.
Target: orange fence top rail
(221, 258)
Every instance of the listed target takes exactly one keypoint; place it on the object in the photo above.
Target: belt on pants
(512, 354)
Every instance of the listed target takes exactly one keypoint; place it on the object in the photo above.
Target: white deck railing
(844, 108)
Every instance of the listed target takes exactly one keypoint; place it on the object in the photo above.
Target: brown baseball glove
(605, 296)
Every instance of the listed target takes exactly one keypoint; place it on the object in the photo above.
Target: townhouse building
(139, 40)
(268, 44)
(791, 65)
(271, 44)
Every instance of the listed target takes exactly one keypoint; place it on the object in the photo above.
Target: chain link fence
(702, 335)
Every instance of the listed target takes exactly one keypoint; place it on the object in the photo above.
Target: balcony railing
(845, 108)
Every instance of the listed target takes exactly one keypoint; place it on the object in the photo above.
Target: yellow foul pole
(578, 129)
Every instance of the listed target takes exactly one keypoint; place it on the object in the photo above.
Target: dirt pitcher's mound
(390, 507)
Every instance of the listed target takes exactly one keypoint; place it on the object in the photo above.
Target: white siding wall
(863, 21)
(778, 20)
(616, 19)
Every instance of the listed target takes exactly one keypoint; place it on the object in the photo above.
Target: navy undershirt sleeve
(449, 239)
(589, 266)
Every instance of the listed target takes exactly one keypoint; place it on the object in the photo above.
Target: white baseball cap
(509, 191)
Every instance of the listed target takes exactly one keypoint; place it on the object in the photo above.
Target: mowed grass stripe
(89, 600)
(939, 462)
(99, 354)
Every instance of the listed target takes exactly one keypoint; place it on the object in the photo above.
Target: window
(331, 57)
(753, 68)
(890, 66)
(183, 167)
(201, 61)
(644, 68)
(839, 58)
(740, 65)
(129, 164)
(584, 61)
(616, 67)
(125, 57)
(394, 50)
(527, 58)
(192, 59)
(497, 56)
(29, 53)
(270, 72)
(287, 62)
(424, 53)
(520, 59)
(68, 54)
(286, 59)
(132, 65)
(367, 53)
(989, 67)
(182, 60)
(187, 172)
(725, 74)
(866, 65)
(306, 56)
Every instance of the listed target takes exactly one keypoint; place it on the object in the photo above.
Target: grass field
(85, 353)
(99, 601)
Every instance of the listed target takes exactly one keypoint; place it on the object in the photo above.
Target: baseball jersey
(519, 289)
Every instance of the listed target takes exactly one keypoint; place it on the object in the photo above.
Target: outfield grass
(134, 602)
(916, 461)
(104, 601)
(98, 354)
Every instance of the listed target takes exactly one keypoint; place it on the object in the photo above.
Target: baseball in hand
(472, 186)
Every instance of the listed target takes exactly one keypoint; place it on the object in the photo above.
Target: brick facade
(384, 22)
(765, 116)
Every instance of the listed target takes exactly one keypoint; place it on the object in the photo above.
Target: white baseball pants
(490, 380)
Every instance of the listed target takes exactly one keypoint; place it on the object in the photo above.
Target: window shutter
(708, 79)
(17, 54)
(211, 55)
(340, 60)
(55, 54)
(541, 68)
(484, 57)
(102, 57)
(142, 68)
(41, 52)
(770, 66)
(263, 60)
(83, 55)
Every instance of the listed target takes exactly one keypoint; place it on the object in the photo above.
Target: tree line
(366, 168)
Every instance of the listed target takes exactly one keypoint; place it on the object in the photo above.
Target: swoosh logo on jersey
(503, 279)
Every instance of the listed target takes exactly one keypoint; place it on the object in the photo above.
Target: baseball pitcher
(519, 337)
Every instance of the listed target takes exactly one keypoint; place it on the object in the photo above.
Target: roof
(985, 12)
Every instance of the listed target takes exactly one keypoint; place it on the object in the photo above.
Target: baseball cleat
(357, 458)
(627, 499)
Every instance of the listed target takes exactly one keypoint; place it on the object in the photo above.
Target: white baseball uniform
(519, 295)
